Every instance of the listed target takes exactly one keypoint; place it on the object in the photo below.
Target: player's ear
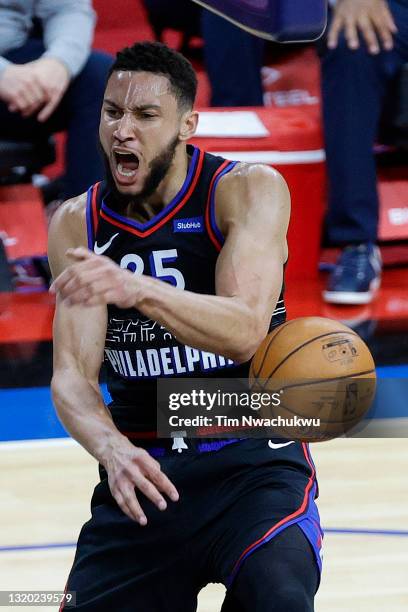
(188, 124)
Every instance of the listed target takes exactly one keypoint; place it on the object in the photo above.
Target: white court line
(274, 157)
(33, 444)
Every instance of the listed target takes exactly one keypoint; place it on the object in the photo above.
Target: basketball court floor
(46, 479)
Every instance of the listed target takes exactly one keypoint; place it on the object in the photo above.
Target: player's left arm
(253, 207)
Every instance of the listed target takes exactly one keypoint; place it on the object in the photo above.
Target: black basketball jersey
(180, 246)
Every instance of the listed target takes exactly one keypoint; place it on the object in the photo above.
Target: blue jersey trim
(213, 221)
(89, 223)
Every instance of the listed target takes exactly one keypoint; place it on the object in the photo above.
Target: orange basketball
(323, 372)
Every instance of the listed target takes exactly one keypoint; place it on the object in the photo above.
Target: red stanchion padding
(23, 226)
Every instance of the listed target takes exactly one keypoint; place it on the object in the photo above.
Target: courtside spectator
(232, 56)
(50, 81)
(367, 44)
(233, 60)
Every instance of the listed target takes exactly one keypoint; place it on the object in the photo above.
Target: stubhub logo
(193, 224)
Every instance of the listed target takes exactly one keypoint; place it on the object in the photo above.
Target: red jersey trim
(210, 230)
(94, 206)
(286, 519)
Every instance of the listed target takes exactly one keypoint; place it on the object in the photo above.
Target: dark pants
(78, 113)
(233, 61)
(354, 88)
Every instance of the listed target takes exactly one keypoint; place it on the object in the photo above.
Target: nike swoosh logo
(272, 445)
(101, 249)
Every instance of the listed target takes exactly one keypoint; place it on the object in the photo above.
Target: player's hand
(130, 468)
(21, 90)
(93, 280)
(53, 76)
(371, 18)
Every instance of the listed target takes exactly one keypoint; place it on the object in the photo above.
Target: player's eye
(147, 116)
(114, 113)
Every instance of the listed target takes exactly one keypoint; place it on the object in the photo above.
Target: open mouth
(127, 164)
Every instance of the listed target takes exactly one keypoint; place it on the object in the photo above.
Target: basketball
(322, 370)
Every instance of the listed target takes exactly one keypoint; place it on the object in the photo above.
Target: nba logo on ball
(323, 370)
(339, 350)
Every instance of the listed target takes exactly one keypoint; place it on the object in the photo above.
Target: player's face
(139, 128)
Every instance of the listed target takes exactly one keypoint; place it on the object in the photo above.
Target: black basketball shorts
(235, 497)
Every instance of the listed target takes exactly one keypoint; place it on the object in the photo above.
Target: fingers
(93, 280)
(144, 474)
(24, 103)
(86, 260)
(87, 287)
(130, 506)
(351, 34)
(164, 484)
(80, 254)
(366, 27)
(334, 31)
(389, 20)
(26, 96)
(36, 97)
(150, 491)
(386, 28)
(50, 107)
(374, 22)
(72, 294)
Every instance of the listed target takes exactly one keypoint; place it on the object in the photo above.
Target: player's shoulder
(67, 230)
(69, 220)
(252, 176)
(246, 172)
(252, 185)
(253, 171)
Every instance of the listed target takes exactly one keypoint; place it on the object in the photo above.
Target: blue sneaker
(356, 276)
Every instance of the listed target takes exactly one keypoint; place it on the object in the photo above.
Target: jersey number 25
(158, 266)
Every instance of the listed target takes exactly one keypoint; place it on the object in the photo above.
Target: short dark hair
(159, 59)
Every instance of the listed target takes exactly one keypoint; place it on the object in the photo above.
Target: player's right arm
(79, 338)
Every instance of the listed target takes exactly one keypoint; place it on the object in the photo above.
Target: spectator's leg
(354, 84)
(233, 60)
(79, 113)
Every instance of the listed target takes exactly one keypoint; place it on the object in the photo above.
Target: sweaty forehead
(131, 89)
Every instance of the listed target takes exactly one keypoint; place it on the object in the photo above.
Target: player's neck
(166, 191)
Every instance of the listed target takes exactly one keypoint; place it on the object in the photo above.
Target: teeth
(124, 172)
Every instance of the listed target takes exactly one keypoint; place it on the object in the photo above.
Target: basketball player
(173, 265)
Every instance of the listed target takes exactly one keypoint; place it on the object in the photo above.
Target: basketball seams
(315, 381)
(323, 422)
(282, 327)
(298, 348)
